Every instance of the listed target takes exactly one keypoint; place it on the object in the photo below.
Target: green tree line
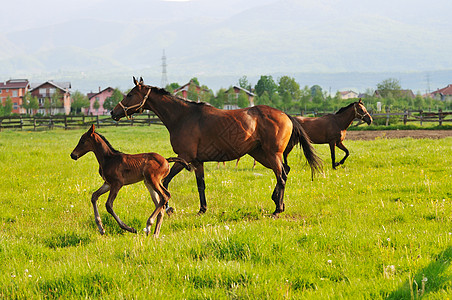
(285, 93)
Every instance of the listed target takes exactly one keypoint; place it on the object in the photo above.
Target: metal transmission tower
(164, 81)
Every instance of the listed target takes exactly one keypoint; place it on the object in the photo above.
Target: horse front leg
(333, 155)
(175, 169)
(199, 173)
(109, 205)
(102, 190)
(342, 147)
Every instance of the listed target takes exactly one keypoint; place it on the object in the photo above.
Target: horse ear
(91, 129)
(360, 101)
(135, 81)
(141, 80)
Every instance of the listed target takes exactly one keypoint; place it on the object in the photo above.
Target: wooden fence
(407, 116)
(71, 122)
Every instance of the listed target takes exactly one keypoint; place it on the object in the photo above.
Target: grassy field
(379, 227)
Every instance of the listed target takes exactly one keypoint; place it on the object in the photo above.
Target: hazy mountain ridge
(263, 37)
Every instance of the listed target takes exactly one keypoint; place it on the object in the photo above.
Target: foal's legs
(156, 199)
(102, 190)
(160, 196)
(342, 147)
(109, 205)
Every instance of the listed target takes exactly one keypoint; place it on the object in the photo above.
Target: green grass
(372, 229)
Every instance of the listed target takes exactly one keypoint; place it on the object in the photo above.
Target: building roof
(91, 95)
(343, 93)
(246, 91)
(444, 91)
(60, 85)
(14, 84)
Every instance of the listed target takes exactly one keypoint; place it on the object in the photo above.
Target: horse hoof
(201, 212)
(169, 211)
(275, 215)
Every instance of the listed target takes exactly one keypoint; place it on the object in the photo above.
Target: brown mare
(331, 128)
(200, 132)
(118, 169)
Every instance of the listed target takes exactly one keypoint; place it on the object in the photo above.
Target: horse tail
(186, 165)
(299, 136)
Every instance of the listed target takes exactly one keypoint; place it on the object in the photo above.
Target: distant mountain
(225, 39)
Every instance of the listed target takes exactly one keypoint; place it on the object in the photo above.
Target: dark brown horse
(200, 132)
(331, 128)
(118, 169)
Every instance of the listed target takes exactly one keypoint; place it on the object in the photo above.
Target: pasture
(379, 227)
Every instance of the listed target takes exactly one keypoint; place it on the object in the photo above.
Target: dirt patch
(397, 134)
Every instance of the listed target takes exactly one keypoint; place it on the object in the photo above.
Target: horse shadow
(430, 279)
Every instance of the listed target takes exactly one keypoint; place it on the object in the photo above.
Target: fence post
(387, 116)
(97, 121)
(440, 116)
(405, 117)
(65, 122)
(1, 120)
(34, 123)
(421, 113)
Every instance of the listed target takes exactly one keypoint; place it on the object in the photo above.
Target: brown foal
(118, 169)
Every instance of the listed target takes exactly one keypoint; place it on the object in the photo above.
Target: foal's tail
(299, 136)
(186, 165)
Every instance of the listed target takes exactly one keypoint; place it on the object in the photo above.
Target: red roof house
(443, 94)
(14, 89)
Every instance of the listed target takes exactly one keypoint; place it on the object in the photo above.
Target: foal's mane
(108, 143)
(345, 108)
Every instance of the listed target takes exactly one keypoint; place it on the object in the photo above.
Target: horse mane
(108, 143)
(163, 92)
(345, 108)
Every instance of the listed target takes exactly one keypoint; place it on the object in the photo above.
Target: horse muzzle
(74, 156)
(115, 116)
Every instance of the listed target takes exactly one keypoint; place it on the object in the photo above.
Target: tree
(8, 107)
(220, 99)
(389, 86)
(195, 80)
(244, 83)
(172, 86)
(242, 100)
(263, 99)
(34, 104)
(266, 84)
(113, 100)
(317, 95)
(55, 100)
(288, 85)
(96, 105)
(79, 101)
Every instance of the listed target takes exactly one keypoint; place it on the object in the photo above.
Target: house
(348, 95)
(48, 104)
(14, 89)
(192, 91)
(100, 98)
(443, 94)
(232, 98)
